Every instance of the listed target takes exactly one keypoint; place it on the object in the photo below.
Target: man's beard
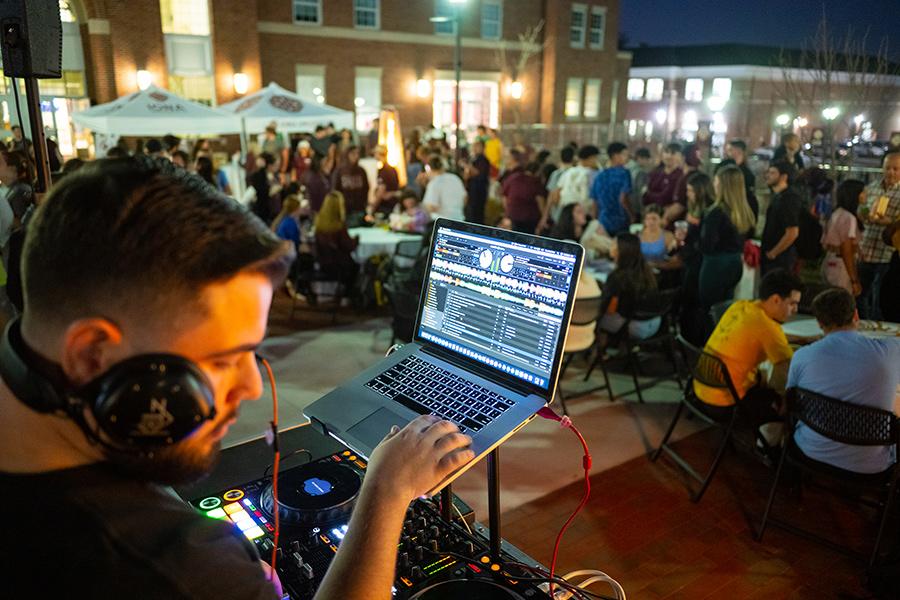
(171, 465)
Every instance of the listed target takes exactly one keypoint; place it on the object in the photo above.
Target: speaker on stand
(31, 45)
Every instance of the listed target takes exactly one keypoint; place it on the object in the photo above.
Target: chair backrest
(656, 304)
(718, 309)
(707, 368)
(586, 310)
(843, 421)
(408, 248)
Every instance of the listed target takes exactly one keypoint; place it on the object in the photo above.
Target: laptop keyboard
(428, 389)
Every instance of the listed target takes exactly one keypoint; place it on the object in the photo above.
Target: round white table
(374, 240)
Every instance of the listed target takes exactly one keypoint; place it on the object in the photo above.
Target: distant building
(739, 91)
(353, 54)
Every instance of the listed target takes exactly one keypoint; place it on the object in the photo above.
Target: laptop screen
(497, 301)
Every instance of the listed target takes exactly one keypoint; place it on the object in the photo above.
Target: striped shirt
(871, 248)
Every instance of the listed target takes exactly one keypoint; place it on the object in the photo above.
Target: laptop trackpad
(373, 428)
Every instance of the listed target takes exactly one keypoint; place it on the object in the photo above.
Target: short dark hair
(781, 282)
(834, 307)
(268, 158)
(673, 148)
(739, 144)
(889, 155)
(131, 232)
(588, 151)
(436, 162)
(615, 148)
(642, 153)
(567, 154)
(14, 127)
(153, 146)
(784, 168)
(172, 142)
(182, 155)
(21, 163)
(789, 136)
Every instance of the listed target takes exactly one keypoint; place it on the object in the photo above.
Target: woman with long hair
(631, 281)
(206, 169)
(840, 238)
(286, 225)
(726, 226)
(334, 246)
(577, 225)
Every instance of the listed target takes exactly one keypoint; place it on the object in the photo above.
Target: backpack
(808, 244)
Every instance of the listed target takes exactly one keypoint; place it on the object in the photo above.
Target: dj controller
(436, 559)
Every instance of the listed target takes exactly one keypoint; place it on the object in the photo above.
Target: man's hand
(415, 459)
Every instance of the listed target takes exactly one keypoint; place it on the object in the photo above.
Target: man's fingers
(438, 430)
(451, 442)
(456, 459)
(394, 431)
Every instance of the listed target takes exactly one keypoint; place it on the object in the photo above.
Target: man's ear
(90, 347)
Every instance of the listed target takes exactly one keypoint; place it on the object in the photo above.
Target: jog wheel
(313, 495)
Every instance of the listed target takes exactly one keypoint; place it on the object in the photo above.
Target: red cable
(547, 413)
(275, 464)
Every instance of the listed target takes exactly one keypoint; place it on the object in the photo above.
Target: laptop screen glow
(497, 302)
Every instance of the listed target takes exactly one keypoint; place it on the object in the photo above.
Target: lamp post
(457, 66)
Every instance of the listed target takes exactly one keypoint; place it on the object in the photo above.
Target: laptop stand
(493, 475)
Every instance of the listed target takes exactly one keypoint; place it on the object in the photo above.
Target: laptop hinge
(507, 382)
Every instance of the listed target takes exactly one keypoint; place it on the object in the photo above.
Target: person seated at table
(656, 242)
(868, 373)
(576, 224)
(409, 215)
(630, 281)
(747, 335)
(334, 246)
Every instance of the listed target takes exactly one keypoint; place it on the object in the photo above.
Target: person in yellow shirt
(493, 151)
(748, 334)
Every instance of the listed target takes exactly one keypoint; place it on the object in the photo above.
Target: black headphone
(139, 405)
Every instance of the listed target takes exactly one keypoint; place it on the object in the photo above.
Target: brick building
(754, 93)
(353, 54)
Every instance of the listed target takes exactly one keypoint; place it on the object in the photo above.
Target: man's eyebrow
(251, 347)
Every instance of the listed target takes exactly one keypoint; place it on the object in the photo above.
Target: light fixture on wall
(359, 102)
(423, 88)
(144, 79)
(661, 116)
(783, 119)
(516, 89)
(241, 83)
(831, 113)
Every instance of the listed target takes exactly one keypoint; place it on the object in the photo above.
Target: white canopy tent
(286, 109)
(155, 112)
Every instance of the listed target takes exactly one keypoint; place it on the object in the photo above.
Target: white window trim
(308, 70)
(643, 88)
(499, 4)
(730, 87)
(578, 113)
(584, 102)
(172, 40)
(377, 17)
(597, 10)
(702, 89)
(662, 91)
(307, 23)
(583, 9)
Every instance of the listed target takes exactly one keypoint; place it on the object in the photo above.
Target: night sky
(764, 22)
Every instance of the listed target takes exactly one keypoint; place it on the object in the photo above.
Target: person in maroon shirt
(334, 246)
(351, 180)
(315, 183)
(523, 195)
(387, 192)
(678, 208)
(664, 179)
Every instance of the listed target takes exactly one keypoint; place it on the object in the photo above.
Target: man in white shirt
(445, 195)
(573, 186)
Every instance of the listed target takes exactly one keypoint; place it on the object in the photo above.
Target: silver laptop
(487, 346)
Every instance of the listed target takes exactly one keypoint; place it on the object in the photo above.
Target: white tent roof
(155, 111)
(289, 111)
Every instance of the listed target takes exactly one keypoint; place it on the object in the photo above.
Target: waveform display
(498, 293)
(517, 286)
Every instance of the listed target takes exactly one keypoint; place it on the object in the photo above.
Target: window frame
(583, 9)
(451, 24)
(596, 10)
(319, 16)
(577, 113)
(629, 95)
(376, 11)
(499, 5)
(595, 105)
(694, 97)
(730, 87)
(310, 70)
(662, 89)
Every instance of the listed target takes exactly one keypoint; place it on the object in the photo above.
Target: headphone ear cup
(35, 389)
(151, 401)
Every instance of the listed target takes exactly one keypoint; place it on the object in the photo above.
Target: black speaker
(31, 38)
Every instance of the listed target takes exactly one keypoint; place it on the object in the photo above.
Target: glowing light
(515, 90)
(858, 119)
(661, 116)
(716, 103)
(689, 121)
(144, 79)
(320, 99)
(423, 88)
(831, 113)
(783, 119)
(359, 102)
(241, 83)
(317, 91)
(391, 137)
(801, 121)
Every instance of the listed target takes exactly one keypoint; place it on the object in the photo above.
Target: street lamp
(831, 113)
(783, 119)
(457, 63)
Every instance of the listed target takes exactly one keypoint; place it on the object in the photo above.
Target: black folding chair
(403, 295)
(585, 312)
(709, 370)
(845, 423)
(406, 252)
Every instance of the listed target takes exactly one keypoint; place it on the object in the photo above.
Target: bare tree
(512, 62)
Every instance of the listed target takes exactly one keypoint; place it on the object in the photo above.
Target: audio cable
(272, 439)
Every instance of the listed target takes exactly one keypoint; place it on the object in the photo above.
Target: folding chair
(845, 423)
(585, 312)
(709, 370)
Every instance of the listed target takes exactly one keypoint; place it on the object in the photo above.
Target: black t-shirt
(90, 532)
(718, 235)
(783, 212)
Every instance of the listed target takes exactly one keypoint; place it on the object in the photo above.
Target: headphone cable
(273, 432)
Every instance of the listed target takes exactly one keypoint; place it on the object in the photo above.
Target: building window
(578, 26)
(71, 85)
(592, 98)
(689, 121)
(491, 19)
(693, 90)
(655, 89)
(597, 33)
(368, 96)
(66, 12)
(311, 82)
(366, 14)
(635, 90)
(443, 8)
(199, 88)
(185, 17)
(573, 97)
(721, 88)
(308, 12)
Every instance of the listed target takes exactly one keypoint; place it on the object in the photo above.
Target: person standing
(265, 183)
(445, 195)
(352, 181)
(493, 151)
(523, 195)
(610, 192)
(789, 151)
(387, 188)
(736, 151)
(841, 238)
(315, 183)
(663, 180)
(640, 169)
(782, 221)
(19, 143)
(575, 184)
(478, 180)
(881, 208)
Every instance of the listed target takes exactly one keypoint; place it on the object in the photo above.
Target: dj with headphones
(146, 295)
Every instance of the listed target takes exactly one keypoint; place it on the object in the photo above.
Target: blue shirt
(852, 367)
(288, 229)
(606, 192)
